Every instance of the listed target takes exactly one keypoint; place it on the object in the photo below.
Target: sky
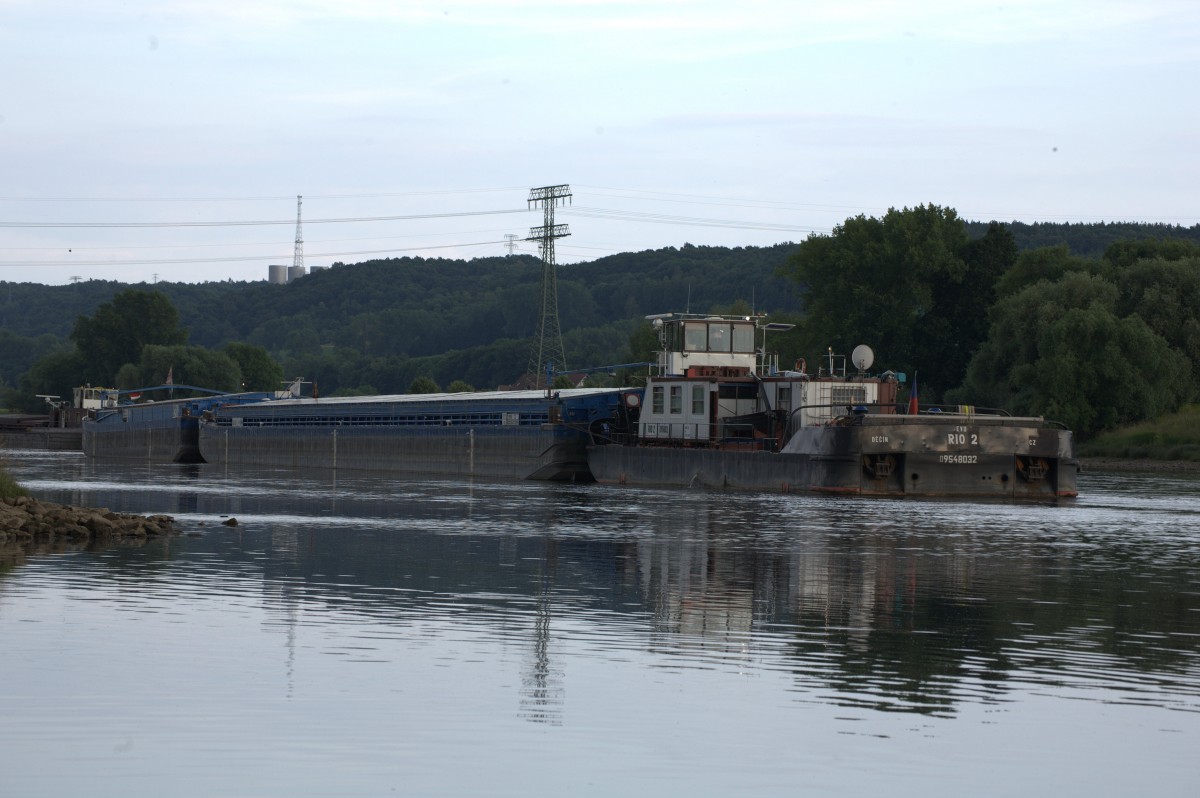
(168, 140)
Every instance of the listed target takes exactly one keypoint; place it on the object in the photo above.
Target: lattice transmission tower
(548, 353)
(298, 256)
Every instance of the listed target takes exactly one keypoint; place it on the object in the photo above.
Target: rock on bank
(25, 519)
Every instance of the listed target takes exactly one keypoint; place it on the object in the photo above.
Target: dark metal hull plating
(878, 456)
(172, 441)
(551, 452)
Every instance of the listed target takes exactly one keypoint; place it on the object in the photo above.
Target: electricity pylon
(548, 353)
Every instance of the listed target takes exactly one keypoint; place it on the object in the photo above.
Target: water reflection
(522, 600)
(893, 606)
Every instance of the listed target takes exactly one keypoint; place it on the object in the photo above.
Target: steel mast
(548, 352)
(298, 257)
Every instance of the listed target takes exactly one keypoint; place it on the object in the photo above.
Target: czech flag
(913, 406)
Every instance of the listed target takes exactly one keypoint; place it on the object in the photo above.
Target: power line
(256, 223)
(732, 202)
(234, 258)
(264, 198)
(664, 218)
(251, 243)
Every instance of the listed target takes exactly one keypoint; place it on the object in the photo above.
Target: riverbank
(24, 519)
(1087, 464)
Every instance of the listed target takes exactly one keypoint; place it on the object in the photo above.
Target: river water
(357, 636)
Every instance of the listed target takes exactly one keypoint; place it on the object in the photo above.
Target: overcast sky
(724, 123)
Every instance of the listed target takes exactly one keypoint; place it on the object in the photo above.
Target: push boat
(720, 413)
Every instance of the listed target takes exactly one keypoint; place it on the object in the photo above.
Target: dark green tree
(1166, 295)
(1060, 349)
(116, 333)
(424, 385)
(56, 374)
(189, 365)
(644, 344)
(18, 352)
(912, 285)
(1047, 263)
(1123, 254)
(259, 370)
(958, 323)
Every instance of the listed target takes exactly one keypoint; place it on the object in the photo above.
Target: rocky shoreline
(24, 519)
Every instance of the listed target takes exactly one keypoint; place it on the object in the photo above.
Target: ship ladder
(880, 466)
(1033, 470)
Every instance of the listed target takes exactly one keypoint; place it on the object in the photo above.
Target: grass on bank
(9, 487)
(1172, 437)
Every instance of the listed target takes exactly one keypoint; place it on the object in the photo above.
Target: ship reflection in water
(505, 638)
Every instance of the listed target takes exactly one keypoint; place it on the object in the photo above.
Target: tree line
(1093, 340)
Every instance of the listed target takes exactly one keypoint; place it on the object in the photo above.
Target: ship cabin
(92, 398)
(716, 385)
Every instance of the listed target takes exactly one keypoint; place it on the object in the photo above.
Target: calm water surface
(355, 636)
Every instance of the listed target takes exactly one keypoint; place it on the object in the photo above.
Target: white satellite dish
(862, 357)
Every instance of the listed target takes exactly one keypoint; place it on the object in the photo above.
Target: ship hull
(897, 456)
(550, 453)
(157, 432)
(491, 434)
(166, 441)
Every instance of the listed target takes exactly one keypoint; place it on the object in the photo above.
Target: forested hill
(393, 313)
(377, 325)
(420, 306)
(1086, 240)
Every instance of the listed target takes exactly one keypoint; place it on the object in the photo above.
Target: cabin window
(671, 337)
(849, 396)
(676, 399)
(718, 338)
(697, 400)
(656, 402)
(783, 399)
(743, 338)
(695, 337)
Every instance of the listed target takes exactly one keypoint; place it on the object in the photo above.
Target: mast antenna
(548, 352)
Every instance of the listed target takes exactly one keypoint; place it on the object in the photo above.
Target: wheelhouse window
(719, 338)
(743, 338)
(695, 336)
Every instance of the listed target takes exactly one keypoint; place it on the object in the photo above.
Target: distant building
(279, 274)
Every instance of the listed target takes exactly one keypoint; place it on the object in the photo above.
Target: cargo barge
(117, 426)
(720, 413)
(530, 434)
